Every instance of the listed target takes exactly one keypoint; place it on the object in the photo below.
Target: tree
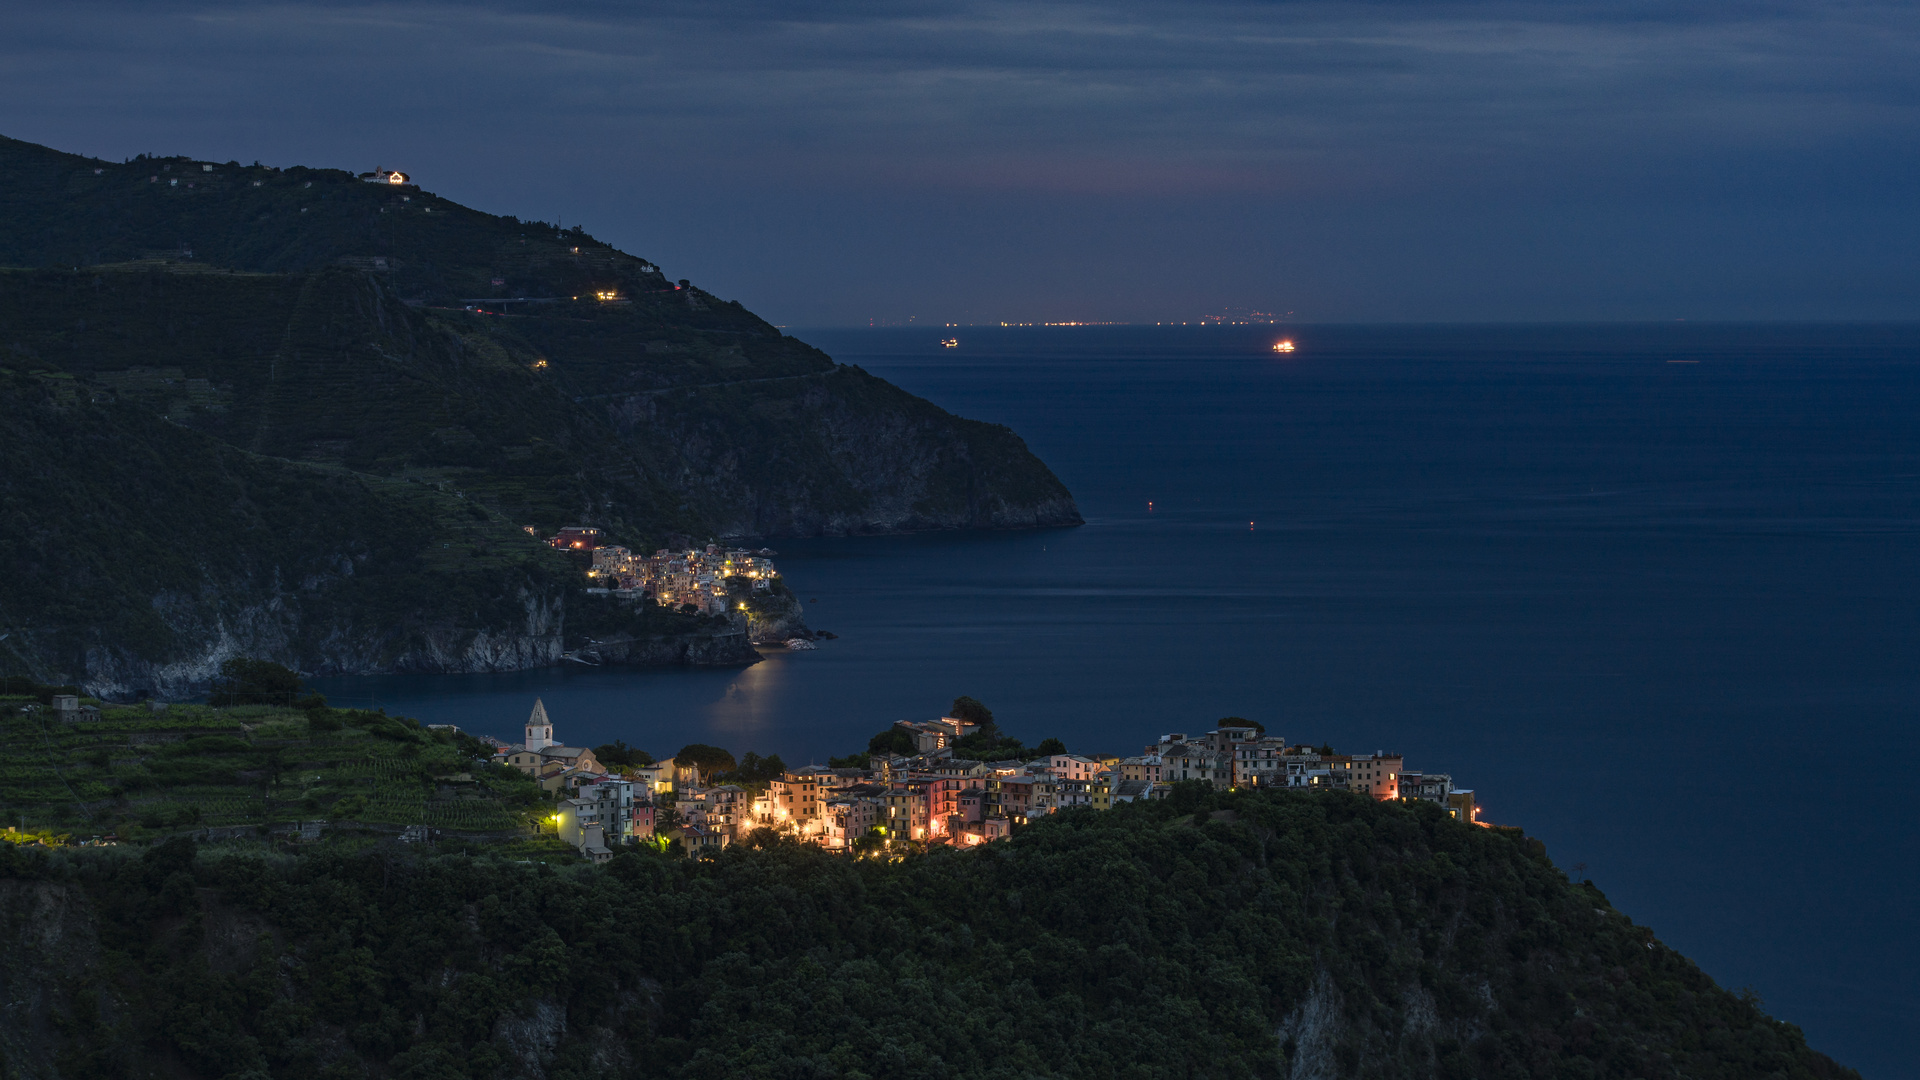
(755, 771)
(708, 759)
(893, 742)
(246, 681)
(618, 752)
(1050, 747)
(1241, 721)
(984, 737)
(970, 710)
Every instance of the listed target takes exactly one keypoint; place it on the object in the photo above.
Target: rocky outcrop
(776, 618)
(282, 628)
(725, 648)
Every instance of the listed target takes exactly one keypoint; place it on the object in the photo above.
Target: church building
(541, 757)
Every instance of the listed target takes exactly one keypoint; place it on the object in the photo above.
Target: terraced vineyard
(135, 772)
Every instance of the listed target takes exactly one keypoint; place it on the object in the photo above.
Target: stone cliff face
(207, 632)
(778, 618)
(726, 648)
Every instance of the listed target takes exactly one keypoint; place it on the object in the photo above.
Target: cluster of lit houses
(697, 577)
(931, 796)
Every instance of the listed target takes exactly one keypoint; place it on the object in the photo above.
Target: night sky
(840, 162)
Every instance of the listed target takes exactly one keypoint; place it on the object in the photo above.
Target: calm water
(1651, 591)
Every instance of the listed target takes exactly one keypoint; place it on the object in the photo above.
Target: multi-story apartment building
(969, 807)
(1308, 768)
(1019, 796)
(846, 818)
(1100, 795)
(1378, 774)
(1429, 787)
(797, 799)
(1194, 761)
(1073, 767)
(1068, 794)
(657, 778)
(722, 810)
(1258, 762)
(908, 807)
(600, 817)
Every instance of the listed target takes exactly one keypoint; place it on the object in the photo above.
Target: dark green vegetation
(986, 743)
(246, 681)
(717, 764)
(136, 772)
(618, 752)
(131, 547)
(753, 772)
(709, 759)
(1234, 935)
(254, 406)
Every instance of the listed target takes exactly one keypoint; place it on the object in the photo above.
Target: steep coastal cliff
(294, 415)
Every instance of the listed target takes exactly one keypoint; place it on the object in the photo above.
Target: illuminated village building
(578, 538)
(1073, 767)
(699, 577)
(544, 760)
(931, 796)
(593, 810)
(848, 817)
(601, 815)
(656, 779)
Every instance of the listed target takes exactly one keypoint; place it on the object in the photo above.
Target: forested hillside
(138, 554)
(1209, 935)
(346, 348)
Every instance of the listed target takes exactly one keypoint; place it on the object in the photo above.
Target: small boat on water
(1283, 346)
(951, 343)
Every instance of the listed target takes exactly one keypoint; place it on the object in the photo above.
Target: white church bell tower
(539, 728)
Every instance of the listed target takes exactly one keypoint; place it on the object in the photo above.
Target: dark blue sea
(1652, 591)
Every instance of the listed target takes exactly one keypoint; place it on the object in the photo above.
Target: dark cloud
(1116, 160)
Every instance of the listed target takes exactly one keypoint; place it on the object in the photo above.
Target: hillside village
(928, 796)
(697, 578)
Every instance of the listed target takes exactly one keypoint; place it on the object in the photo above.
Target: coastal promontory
(295, 414)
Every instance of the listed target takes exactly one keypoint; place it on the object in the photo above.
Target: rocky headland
(294, 415)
